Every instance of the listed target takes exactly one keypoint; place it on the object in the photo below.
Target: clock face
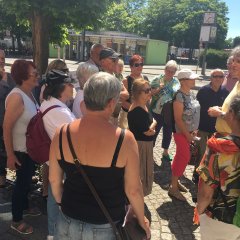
(209, 18)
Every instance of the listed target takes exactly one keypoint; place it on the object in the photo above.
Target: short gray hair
(229, 60)
(84, 72)
(216, 70)
(99, 89)
(236, 52)
(171, 64)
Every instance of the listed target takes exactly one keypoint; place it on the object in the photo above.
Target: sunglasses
(137, 64)
(147, 90)
(217, 76)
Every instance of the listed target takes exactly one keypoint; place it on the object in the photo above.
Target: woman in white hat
(186, 115)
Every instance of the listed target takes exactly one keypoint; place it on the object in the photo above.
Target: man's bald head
(95, 51)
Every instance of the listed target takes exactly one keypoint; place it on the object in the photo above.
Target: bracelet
(59, 204)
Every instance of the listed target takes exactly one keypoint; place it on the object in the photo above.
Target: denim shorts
(68, 228)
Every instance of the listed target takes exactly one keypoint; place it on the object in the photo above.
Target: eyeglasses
(147, 90)
(137, 64)
(217, 76)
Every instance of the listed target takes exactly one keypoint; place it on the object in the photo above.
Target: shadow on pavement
(178, 218)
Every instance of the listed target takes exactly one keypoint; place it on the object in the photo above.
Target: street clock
(209, 18)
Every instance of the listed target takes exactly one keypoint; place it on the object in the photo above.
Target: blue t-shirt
(209, 98)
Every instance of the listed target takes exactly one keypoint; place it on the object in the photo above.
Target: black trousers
(22, 185)
(3, 156)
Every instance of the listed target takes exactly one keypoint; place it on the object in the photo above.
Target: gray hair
(236, 52)
(229, 60)
(216, 70)
(171, 64)
(99, 89)
(84, 72)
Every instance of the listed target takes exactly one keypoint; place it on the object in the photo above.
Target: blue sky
(234, 18)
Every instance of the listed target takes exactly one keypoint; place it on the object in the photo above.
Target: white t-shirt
(56, 116)
(76, 104)
(20, 126)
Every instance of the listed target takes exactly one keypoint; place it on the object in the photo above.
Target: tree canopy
(176, 21)
(49, 18)
(179, 21)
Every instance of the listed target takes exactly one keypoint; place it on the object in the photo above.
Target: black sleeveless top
(77, 199)
(130, 83)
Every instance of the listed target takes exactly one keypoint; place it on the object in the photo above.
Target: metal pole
(204, 60)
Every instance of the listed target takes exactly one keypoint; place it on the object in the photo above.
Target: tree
(236, 41)
(124, 16)
(45, 16)
(18, 29)
(228, 43)
(179, 21)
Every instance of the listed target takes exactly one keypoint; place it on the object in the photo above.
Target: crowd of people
(109, 126)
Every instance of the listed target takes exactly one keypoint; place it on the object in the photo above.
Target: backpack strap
(60, 142)
(118, 147)
(50, 108)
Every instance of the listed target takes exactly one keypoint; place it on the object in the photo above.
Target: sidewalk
(170, 218)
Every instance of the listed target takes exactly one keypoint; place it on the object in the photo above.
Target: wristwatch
(222, 116)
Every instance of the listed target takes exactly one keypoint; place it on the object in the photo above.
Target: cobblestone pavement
(170, 218)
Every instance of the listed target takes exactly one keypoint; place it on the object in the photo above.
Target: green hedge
(216, 59)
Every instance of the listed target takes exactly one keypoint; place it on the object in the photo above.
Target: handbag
(130, 229)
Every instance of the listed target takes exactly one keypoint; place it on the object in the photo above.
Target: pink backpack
(37, 139)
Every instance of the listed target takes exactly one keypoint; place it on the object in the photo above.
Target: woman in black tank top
(113, 168)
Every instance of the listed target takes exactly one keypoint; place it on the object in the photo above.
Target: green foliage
(179, 21)
(124, 16)
(61, 14)
(228, 43)
(236, 41)
(216, 58)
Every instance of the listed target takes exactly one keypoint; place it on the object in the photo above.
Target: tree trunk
(40, 38)
(19, 42)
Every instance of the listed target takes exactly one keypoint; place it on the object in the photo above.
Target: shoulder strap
(118, 147)
(60, 142)
(90, 185)
(50, 108)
